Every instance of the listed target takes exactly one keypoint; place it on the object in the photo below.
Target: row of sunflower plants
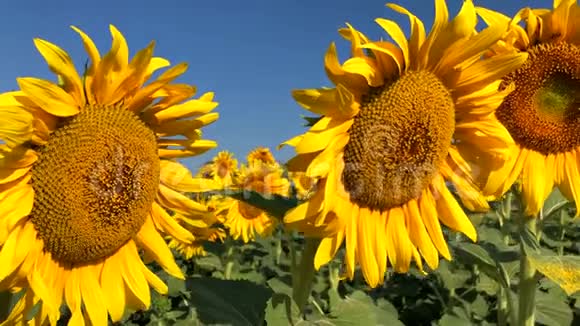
(257, 272)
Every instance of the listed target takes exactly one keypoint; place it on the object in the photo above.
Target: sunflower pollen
(398, 140)
(543, 112)
(94, 184)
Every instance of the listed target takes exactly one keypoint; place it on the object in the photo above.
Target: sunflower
(246, 221)
(303, 185)
(84, 187)
(541, 114)
(393, 131)
(261, 154)
(222, 169)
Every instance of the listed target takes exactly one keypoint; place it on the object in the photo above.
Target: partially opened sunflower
(542, 113)
(392, 132)
(85, 183)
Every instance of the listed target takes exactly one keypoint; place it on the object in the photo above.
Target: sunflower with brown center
(261, 154)
(392, 132)
(542, 114)
(246, 221)
(223, 168)
(87, 172)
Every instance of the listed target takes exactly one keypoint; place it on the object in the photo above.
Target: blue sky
(250, 53)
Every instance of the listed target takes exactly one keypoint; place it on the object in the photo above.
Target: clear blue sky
(251, 53)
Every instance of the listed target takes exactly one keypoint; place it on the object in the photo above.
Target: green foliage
(479, 286)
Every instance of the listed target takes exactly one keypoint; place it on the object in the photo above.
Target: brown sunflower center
(248, 211)
(223, 169)
(94, 184)
(253, 182)
(398, 141)
(543, 112)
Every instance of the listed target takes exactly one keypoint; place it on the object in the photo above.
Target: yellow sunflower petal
(113, 289)
(365, 248)
(499, 181)
(487, 71)
(399, 246)
(397, 34)
(417, 34)
(439, 22)
(336, 73)
(61, 64)
(463, 25)
(390, 58)
(320, 101)
(450, 213)
(459, 172)
(16, 204)
(150, 239)
(188, 109)
(155, 64)
(49, 96)
(327, 250)
(572, 176)
(89, 45)
(537, 182)
(427, 206)
(134, 279)
(92, 295)
(16, 125)
(147, 91)
(169, 225)
(315, 141)
(419, 236)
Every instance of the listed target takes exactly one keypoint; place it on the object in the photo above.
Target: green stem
(511, 308)
(333, 276)
(304, 275)
(502, 307)
(5, 303)
(229, 261)
(562, 232)
(293, 262)
(527, 285)
(278, 250)
(506, 213)
(506, 295)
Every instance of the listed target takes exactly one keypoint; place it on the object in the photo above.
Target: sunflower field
(435, 183)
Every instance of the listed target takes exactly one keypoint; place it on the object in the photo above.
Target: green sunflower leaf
(554, 203)
(552, 311)
(359, 309)
(229, 302)
(311, 121)
(274, 205)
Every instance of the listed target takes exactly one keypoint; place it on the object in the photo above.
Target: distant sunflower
(392, 132)
(246, 221)
(303, 184)
(84, 186)
(542, 114)
(261, 154)
(222, 168)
